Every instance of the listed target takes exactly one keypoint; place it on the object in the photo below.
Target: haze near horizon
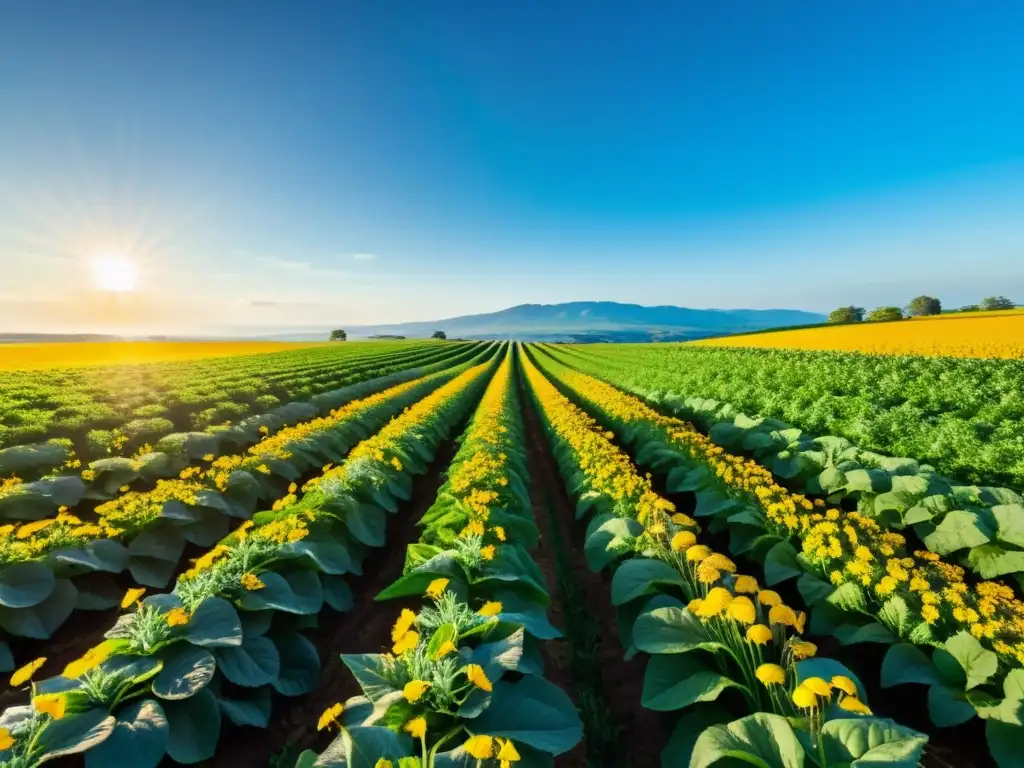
(189, 168)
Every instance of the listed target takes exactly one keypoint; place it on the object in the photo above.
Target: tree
(882, 314)
(439, 335)
(846, 315)
(996, 302)
(969, 308)
(924, 305)
(338, 335)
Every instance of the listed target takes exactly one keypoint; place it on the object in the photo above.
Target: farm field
(997, 334)
(497, 554)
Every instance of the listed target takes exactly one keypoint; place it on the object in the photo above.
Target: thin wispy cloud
(364, 256)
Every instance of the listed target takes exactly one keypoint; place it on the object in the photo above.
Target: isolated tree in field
(882, 314)
(969, 308)
(846, 315)
(996, 302)
(438, 335)
(338, 335)
(924, 305)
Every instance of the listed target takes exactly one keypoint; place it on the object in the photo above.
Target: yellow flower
(770, 674)
(745, 585)
(819, 687)
(682, 541)
(446, 647)
(487, 553)
(89, 660)
(680, 519)
(845, 684)
(697, 553)
(417, 727)
(383, 763)
(407, 642)
(855, 705)
(508, 754)
(52, 704)
(414, 690)
(741, 609)
(782, 614)
(131, 597)
(6, 740)
(477, 677)
(759, 634)
(804, 697)
(24, 674)
(252, 582)
(804, 650)
(490, 608)
(176, 617)
(292, 488)
(714, 604)
(403, 625)
(330, 715)
(481, 747)
(769, 597)
(499, 532)
(930, 614)
(436, 588)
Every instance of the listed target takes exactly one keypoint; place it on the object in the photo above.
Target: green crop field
(416, 554)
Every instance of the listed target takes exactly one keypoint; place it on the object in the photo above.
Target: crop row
(51, 567)
(965, 417)
(977, 527)
(110, 408)
(708, 629)
(462, 683)
(963, 640)
(105, 479)
(229, 634)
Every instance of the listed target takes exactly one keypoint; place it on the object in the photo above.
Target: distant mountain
(585, 321)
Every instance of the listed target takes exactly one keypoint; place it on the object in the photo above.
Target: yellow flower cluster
(608, 469)
(846, 546)
(968, 335)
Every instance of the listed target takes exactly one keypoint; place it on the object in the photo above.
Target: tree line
(340, 335)
(918, 307)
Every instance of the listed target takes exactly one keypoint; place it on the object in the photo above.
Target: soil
(621, 681)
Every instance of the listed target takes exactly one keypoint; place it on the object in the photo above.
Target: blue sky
(300, 163)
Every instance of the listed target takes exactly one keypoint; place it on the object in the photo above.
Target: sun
(113, 272)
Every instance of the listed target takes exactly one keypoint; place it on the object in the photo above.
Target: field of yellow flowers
(980, 334)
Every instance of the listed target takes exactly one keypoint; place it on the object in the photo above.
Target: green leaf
(1004, 741)
(990, 561)
(23, 585)
(812, 589)
(215, 624)
(679, 749)
(781, 564)
(826, 668)
(897, 616)
(75, 733)
(337, 592)
(948, 707)
(868, 742)
(368, 524)
(906, 663)
(959, 529)
(1009, 523)
(679, 680)
(532, 711)
(252, 710)
(849, 597)
(671, 629)
(256, 662)
(979, 663)
(868, 480)
(187, 670)
(194, 727)
(639, 576)
(300, 664)
(608, 540)
(763, 740)
(365, 667)
(849, 634)
(443, 634)
(139, 738)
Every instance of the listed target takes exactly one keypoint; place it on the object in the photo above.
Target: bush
(924, 305)
(846, 315)
(882, 314)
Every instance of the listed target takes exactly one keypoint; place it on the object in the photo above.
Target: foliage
(996, 302)
(849, 314)
(920, 306)
(438, 335)
(338, 335)
(884, 314)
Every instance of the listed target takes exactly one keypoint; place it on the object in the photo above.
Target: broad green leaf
(679, 680)
(906, 663)
(781, 564)
(532, 711)
(849, 597)
(187, 670)
(215, 624)
(959, 529)
(979, 663)
(813, 590)
(1009, 523)
(948, 707)
(679, 749)
(194, 727)
(990, 561)
(365, 667)
(255, 662)
(670, 629)
(868, 742)
(639, 576)
(300, 664)
(609, 540)
(75, 733)
(139, 738)
(1004, 743)
(762, 740)
(23, 585)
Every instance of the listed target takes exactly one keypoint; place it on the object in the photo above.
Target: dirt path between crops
(364, 629)
(641, 732)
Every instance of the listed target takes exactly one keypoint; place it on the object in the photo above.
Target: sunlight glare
(114, 273)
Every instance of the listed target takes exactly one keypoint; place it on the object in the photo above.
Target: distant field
(22, 357)
(982, 334)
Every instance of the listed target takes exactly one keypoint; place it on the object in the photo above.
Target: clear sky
(296, 163)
